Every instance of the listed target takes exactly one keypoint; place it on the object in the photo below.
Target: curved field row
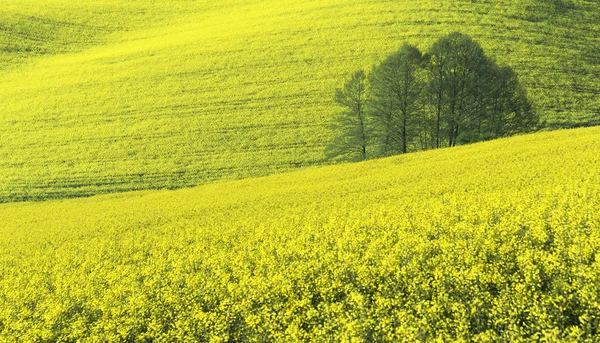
(490, 242)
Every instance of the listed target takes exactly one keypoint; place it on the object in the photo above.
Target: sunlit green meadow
(107, 96)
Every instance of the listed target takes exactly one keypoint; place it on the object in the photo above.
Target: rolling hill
(494, 241)
(111, 96)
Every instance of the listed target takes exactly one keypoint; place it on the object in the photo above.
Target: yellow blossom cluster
(491, 242)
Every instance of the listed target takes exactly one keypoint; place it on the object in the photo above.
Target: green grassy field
(110, 96)
(495, 241)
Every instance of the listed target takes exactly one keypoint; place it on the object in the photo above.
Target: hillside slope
(488, 242)
(122, 95)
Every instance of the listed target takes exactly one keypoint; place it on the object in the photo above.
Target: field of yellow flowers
(496, 241)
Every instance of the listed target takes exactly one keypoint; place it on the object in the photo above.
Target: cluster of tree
(453, 94)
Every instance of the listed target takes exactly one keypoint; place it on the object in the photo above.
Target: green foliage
(488, 242)
(397, 99)
(107, 96)
(471, 95)
(454, 94)
(460, 69)
(509, 110)
(351, 127)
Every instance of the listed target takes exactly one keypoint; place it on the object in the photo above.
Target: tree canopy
(453, 94)
(351, 139)
(396, 88)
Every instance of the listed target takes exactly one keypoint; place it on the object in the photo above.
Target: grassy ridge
(488, 242)
(114, 96)
(37, 29)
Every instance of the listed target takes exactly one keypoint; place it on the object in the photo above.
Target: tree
(396, 103)
(459, 73)
(438, 70)
(510, 111)
(351, 128)
(473, 97)
(454, 94)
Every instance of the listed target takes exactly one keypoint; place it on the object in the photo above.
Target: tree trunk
(363, 139)
(404, 138)
(439, 111)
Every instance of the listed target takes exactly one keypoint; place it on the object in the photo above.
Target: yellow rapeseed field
(491, 242)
